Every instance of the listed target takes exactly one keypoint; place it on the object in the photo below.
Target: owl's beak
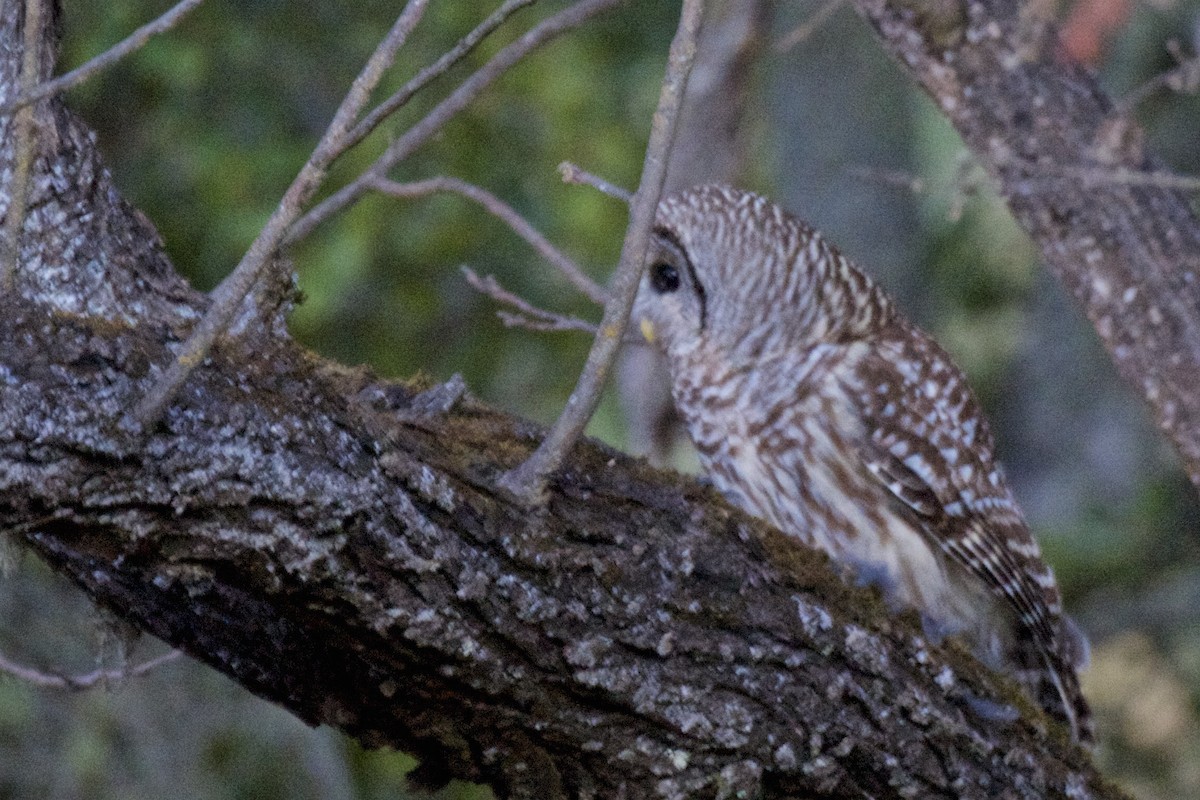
(647, 330)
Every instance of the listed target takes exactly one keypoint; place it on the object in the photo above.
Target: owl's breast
(777, 435)
(781, 439)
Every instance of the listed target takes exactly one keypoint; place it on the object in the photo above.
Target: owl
(815, 405)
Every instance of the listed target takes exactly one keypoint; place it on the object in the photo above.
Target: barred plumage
(814, 404)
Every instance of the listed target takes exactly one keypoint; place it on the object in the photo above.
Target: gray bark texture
(337, 544)
(1073, 169)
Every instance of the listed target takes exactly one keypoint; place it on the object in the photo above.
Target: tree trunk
(1074, 171)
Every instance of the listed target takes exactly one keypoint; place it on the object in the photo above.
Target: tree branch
(228, 296)
(528, 481)
(423, 78)
(548, 29)
(527, 314)
(1128, 250)
(130, 44)
(506, 214)
(47, 680)
(22, 126)
(573, 173)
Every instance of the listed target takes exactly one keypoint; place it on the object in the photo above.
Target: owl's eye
(664, 277)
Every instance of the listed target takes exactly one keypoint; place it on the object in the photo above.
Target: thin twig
(506, 214)
(805, 29)
(1116, 176)
(1090, 175)
(47, 680)
(527, 483)
(572, 173)
(491, 287)
(109, 57)
(460, 98)
(227, 297)
(551, 323)
(419, 81)
(24, 150)
(1184, 78)
(889, 177)
(527, 315)
(967, 183)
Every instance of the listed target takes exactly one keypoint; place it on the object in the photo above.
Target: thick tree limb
(339, 546)
(1128, 252)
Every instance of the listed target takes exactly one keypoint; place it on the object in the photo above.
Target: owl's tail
(1053, 680)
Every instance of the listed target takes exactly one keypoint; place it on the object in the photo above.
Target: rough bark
(1071, 168)
(338, 546)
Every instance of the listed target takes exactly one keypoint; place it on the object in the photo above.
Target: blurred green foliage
(220, 114)
(205, 127)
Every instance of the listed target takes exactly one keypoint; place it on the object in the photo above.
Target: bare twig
(805, 29)
(488, 285)
(968, 181)
(963, 186)
(572, 173)
(551, 323)
(14, 221)
(109, 57)
(528, 315)
(889, 177)
(506, 214)
(460, 98)
(429, 73)
(1095, 174)
(47, 680)
(1113, 176)
(229, 295)
(527, 483)
(1184, 78)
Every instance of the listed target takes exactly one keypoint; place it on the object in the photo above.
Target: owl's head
(721, 263)
(731, 271)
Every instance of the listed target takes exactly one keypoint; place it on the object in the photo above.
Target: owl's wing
(929, 445)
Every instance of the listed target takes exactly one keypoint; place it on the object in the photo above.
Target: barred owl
(815, 405)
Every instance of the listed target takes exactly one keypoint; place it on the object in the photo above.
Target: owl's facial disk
(670, 306)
